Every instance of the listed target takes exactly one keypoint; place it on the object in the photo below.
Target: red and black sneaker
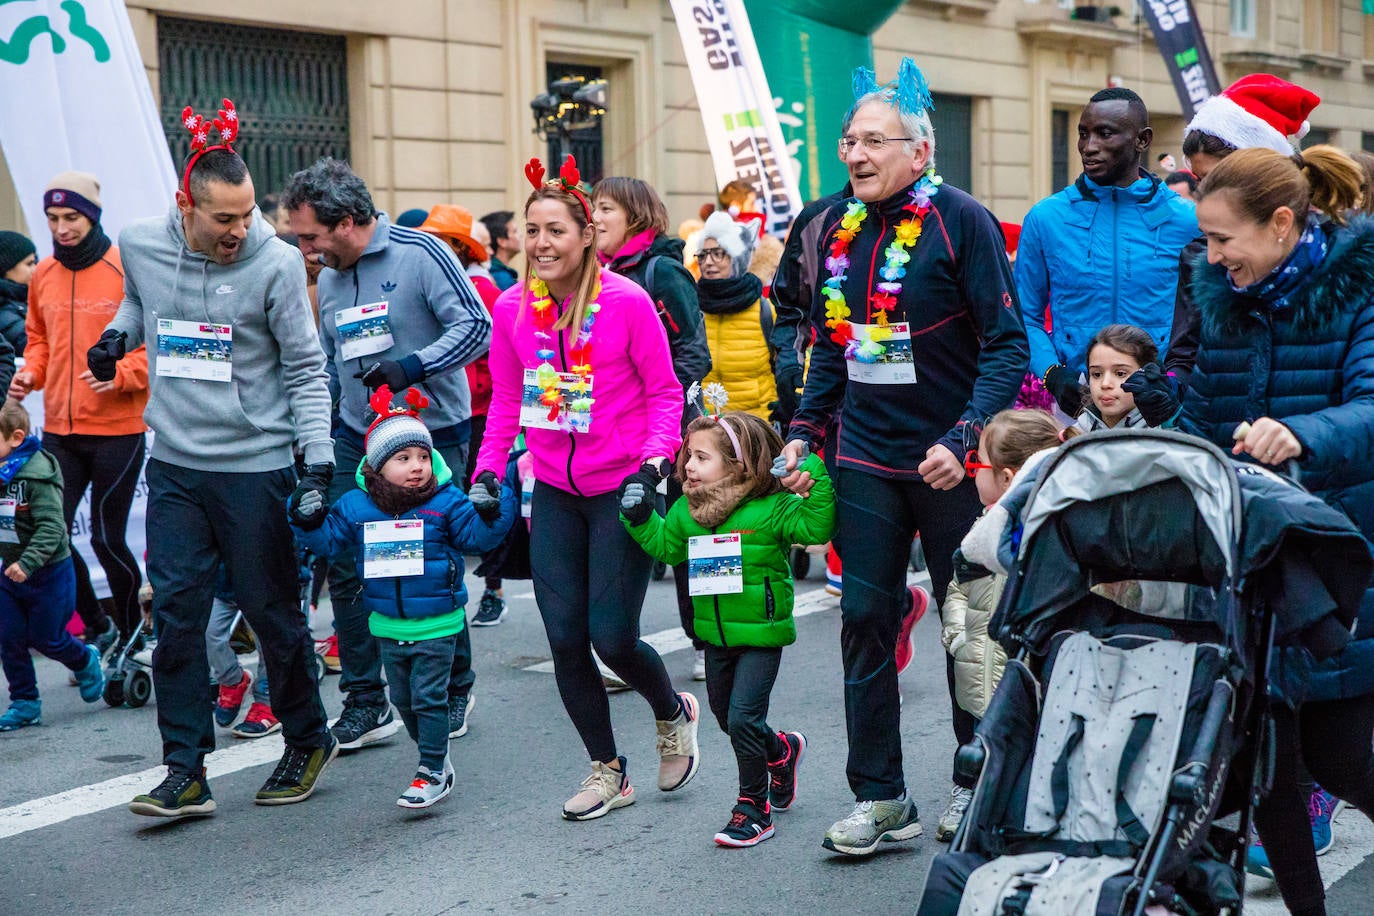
(906, 644)
(782, 774)
(230, 700)
(749, 825)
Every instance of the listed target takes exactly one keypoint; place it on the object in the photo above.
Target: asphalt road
(67, 843)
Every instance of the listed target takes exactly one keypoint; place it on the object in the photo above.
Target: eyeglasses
(972, 465)
(874, 143)
(713, 254)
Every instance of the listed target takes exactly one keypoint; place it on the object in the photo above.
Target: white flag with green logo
(74, 95)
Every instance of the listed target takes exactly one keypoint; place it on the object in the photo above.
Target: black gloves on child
(108, 350)
(1154, 394)
(1063, 386)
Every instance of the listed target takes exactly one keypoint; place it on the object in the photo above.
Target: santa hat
(1259, 110)
(395, 427)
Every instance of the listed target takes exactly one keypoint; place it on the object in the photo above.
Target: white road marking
(54, 809)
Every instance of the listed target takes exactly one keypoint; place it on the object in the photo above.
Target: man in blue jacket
(396, 308)
(1102, 251)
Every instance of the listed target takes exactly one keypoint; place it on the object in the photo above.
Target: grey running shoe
(459, 709)
(427, 787)
(871, 823)
(959, 799)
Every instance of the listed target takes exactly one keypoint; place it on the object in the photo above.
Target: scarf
(19, 292)
(725, 297)
(1286, 279)
(16, 460)
(711, 503)
(393, 499)
(633, 246)
(84, 253)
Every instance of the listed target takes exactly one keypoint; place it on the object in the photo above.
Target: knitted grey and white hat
(391, 434)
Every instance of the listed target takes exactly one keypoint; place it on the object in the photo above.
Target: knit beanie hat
(412, 218)
(1259, 110)
(395, 427)
(78, 190)
(14, 247)
(738, 239)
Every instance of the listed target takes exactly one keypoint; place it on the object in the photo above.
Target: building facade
(430, 99)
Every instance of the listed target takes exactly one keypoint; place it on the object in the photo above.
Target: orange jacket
(67, 314)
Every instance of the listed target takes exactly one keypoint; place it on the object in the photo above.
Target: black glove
(108, 350)
(789, 380)
(1064, 387)
(1154, 394)
(636, 501)
(485, 496)
(398, 375)
(309, 502)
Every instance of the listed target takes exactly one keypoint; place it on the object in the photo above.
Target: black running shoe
(179, 795)
(459, 710)
(297, 774)
(491, 611)
(360, 724)
(749, 825)
(782, 774)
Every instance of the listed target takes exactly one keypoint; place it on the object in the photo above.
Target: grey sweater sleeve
(458, 308)
(129, 318)
(302, 363)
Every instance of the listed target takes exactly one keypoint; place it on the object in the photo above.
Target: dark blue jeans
(197, 520)
(876, 521)
(361, 678)
(419, 676)
(33, 615)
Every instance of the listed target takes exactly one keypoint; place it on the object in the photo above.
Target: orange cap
(451, 221)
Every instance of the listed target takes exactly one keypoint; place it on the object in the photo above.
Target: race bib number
(392, 549)
(894, 366)
(535, 415)
(364, 329)
(190, 349)
(8, 535)
(715, 565)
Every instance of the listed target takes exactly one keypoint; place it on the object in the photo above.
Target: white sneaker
(959, 799)
(678, 755)
(602, 791)
(699, 665)
(427, 787)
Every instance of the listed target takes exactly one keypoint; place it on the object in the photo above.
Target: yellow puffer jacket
(979, 660)
(740, 358)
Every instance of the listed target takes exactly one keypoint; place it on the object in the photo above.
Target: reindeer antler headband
(568, 179)
(227, 124)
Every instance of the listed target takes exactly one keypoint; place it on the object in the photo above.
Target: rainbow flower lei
(545, 316)
(889, 288)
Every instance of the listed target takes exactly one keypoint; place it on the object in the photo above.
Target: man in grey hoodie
(236, 376)
(395, 308)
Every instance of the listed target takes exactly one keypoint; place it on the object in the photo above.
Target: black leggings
(110, 466)
(589, 581)
(739, 682)
(1333, 739)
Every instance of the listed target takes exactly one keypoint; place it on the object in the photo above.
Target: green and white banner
(74, 95)
(742, 127)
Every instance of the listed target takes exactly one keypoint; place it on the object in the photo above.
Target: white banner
(74, 95)
(741, 123)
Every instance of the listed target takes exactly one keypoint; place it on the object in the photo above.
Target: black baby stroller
(1148, 576)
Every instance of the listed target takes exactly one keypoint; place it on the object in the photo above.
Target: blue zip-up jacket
(1091, 256)
(452, 528)
(1311, 367)
(967, 342)
(438, 325)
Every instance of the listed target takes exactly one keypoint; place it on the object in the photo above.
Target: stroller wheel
(114, 692)
(801, 563)
(320, 669)
(140, 689)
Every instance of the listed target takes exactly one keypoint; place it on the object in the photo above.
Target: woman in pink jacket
(580, 359)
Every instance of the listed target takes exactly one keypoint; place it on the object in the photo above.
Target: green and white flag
(74, 95)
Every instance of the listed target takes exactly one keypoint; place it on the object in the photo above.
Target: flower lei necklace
(889, 288)
(546, 376)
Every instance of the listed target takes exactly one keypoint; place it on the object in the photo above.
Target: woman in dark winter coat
(1287, 346)
(18, 258)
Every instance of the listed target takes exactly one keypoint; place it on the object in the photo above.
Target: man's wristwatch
(663, 467)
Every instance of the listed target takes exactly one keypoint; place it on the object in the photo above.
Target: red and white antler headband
(227, 124)
(568, 179)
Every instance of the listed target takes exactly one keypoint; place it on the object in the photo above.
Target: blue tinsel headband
(910, 91)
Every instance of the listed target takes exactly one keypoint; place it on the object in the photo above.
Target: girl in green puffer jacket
(734, 530)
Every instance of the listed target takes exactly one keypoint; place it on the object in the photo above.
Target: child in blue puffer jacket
(408, 527)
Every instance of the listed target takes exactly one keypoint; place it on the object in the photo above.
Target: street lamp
(572, 103)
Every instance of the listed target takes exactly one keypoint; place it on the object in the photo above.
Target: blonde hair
(588, 279)
(1263, 180)
(759, 442)
(1012, 436)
